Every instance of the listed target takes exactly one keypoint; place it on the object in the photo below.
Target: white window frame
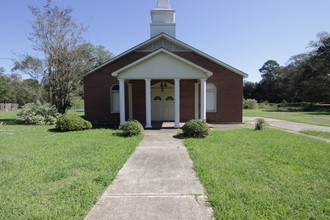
(215, 96)
(112, 100)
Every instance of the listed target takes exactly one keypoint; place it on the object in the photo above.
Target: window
(169, 98)
(115, 99)
(211, 98)
(157, 98)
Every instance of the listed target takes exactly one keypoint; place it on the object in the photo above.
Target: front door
(162, 107)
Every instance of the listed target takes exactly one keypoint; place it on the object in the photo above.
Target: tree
(269, 88)
(67, 56)
(6, 93)
(29, 65)
(307, 76)
(320, 68)
(95, 55)
(15, 90)
(92, 56)
(249, 90)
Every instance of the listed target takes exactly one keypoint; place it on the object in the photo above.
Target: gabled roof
(175, 41)
(170, 54)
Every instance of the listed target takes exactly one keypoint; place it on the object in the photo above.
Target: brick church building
(163, 79)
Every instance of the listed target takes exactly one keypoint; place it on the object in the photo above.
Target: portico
(161, 65)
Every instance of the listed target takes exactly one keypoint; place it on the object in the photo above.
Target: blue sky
(244, 34)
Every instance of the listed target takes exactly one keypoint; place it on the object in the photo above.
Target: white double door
(162, 107)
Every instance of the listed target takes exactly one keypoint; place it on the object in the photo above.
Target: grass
(322, 134)
(266, 174)
(52, 175)
(8, 118)
(300, 117)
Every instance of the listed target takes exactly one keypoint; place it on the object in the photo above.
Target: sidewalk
(291, 127)
(157, 182)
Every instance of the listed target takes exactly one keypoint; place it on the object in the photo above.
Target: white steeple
(163, 19)
(164, 4)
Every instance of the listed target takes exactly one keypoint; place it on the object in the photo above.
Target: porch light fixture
(163, 85)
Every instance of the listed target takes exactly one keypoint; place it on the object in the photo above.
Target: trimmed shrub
(250, 104)
(71, 122)
(196, 129)
(131, 128)
(38, 114)
(260, 124)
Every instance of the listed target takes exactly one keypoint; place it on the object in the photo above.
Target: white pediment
(162, 64)
(171, 44)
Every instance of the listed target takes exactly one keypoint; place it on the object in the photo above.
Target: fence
(5, 107)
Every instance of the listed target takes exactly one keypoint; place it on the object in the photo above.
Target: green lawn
(266, 174)
(314, 118)
(51, 175)
(322, 134)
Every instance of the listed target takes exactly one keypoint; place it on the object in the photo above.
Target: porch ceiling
(162, 64)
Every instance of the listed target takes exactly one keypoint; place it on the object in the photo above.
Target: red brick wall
(139, 101)
(97, 91)
(229, 89)
(187, 100)
(229, 92)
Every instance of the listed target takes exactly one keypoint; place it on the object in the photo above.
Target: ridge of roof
(175, 41)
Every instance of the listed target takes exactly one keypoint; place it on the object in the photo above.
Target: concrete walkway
(157, 182)
(291, 127)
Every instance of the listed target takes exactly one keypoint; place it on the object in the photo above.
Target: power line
(3, 58)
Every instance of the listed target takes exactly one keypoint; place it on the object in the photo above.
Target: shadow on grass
(11, 122)
(277, 110)
(318, 113)
(179, 136)
(119, 134)
(55, 130)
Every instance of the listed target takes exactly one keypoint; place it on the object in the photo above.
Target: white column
(122, 100)
(148, 104)
(203, 99)
(130, 102)
(177, 103)
(196, 100)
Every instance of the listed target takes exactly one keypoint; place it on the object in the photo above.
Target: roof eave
(173, 40)
(245, 75)
(123, 54)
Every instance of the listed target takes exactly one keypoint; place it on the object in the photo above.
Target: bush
(38, 114)
(250, 104)
(283, 104)
(196, 129)
(265, 105)
(260, 124)
(71, 122)
(131, 128)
